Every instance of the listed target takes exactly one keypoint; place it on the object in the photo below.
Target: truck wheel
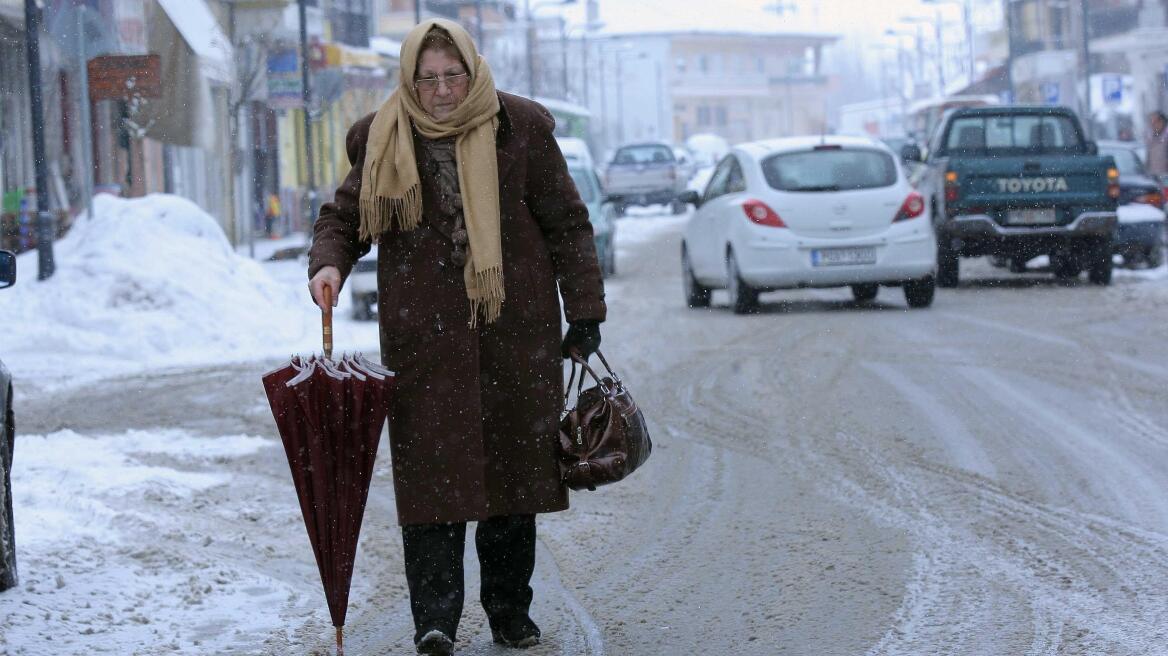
(1155, 256)
(1065, 267)
(677, 207)
(865, 292)
(743, 298)
(1101, 265)
(948, 265)
(920, 293)
(696, 296)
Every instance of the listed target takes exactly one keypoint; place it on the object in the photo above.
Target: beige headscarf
(391, 193)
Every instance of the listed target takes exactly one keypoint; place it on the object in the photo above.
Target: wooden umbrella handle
(326, 322)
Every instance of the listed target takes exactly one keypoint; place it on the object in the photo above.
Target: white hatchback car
(808, 212)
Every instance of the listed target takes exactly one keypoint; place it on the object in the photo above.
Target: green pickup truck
(1016, 182)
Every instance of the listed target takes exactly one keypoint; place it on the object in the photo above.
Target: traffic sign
(1112, 89)
(1050, 93)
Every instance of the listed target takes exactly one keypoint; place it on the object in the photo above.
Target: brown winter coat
(473, 423)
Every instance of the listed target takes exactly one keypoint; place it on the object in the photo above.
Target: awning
(195, 54)
(197, 25)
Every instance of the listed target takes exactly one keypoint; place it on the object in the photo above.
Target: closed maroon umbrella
(330, 415)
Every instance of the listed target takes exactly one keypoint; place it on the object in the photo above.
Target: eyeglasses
(431, 83)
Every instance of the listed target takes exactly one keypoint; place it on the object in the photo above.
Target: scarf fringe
(488, 295)
(380, 214)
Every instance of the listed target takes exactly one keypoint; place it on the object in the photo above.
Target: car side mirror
(911, 153)
(7, 269)
(1092, 148)
(692, 197)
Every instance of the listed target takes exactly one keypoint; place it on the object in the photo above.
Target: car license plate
(843, 256)
(1030, 217)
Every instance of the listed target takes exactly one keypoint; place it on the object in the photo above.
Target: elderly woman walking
(478, 225)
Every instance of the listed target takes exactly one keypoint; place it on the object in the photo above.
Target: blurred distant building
(740, 86)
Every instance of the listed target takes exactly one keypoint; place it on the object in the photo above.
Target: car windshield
(830, 170)
(584, 183)
(646, 154)
(1125, 160)
(1028, 132)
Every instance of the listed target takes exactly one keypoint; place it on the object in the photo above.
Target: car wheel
(865, 292)
(677, 207)
(361, 309)
(999, 261)
(743, 298)
(1018, 264)
(696, 296)
(8, 578)
(948, 264)
(1101, 265)
(920, 293)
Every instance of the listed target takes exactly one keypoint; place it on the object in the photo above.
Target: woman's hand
(330, 276)
(583, 338)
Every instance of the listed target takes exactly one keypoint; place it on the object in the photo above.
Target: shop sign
(285, 85)
(120, 77)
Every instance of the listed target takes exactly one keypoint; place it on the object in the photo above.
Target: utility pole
(479, 26)
(44, 227)
(306, 99)
(1010, 50)
(1089, 119)
(417, 11)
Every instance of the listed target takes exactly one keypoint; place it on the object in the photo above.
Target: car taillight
(913, 207)
(1155, 199)
(952, 187)
(758, 212)
(1113, 183)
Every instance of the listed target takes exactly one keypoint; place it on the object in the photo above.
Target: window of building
(720, 115)
(703, 63)
(703, 115)
(681, 65)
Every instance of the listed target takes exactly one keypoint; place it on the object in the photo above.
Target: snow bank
(113, 555)
(150, 282)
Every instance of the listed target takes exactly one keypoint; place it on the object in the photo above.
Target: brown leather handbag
(603, 438)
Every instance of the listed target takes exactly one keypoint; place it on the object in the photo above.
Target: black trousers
(433, 557)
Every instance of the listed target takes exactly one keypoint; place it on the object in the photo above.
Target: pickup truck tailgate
(1024, 182)
(647, 177)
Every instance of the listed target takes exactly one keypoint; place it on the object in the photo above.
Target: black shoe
(435, 643)
(517, 631)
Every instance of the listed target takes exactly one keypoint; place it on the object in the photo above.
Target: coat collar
(504, 139)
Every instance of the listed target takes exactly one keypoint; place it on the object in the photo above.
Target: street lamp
(531, 40)
(967, 19)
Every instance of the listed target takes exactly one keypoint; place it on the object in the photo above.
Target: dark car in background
(7, 446)
(1139, 236)
(601, 214)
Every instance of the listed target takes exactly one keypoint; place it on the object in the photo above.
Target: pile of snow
(708, 149)
(118, 547)
(150, 282)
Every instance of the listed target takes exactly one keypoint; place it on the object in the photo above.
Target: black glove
(583, 337)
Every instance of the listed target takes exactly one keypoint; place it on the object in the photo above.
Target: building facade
(740, 86)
